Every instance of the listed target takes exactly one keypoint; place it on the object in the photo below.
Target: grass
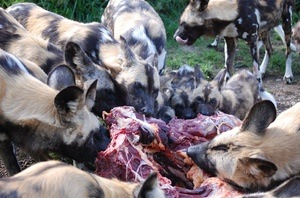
(209, 60)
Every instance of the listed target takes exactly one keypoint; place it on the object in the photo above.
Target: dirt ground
(286, 96)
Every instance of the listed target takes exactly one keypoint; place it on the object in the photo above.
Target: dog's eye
(221, 147)
(138, 85)
(199, 100)
(213, 101)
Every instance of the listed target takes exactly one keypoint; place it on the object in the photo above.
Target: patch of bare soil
(286, 96)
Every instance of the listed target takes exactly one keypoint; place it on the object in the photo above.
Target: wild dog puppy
(40, 119)
(257, 155)
(57, 179)
(140, 25)
(15, 39)
(182, 86)
(235, 97)
(137, 78)
(238, 19)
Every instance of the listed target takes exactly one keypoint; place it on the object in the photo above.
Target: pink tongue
(180, 40)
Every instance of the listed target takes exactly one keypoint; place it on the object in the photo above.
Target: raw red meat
(142, 145)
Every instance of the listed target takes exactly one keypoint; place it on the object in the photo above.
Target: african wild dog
(39, 119)
(257, 155)
(58, 179)
(235, 97)
(180, 90)
(140, 25)
(138, 79)
(234, 19)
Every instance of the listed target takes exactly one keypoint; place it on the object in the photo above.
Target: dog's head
(108, 94)
(207, 96)
(241, 156)
(182, 87)
(139, 79)
(204, 17)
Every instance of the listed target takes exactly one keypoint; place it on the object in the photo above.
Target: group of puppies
(57, 75)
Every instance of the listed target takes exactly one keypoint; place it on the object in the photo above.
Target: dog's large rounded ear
(220, 78)
(61, 77)
(261, 115)
(76, 58)
(90, 95)
(68, 101)
(199, 4)
(129, 55)
(257, 168)
(198, 74)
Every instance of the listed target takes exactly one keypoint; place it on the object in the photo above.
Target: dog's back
(57, 179)
(140, 25)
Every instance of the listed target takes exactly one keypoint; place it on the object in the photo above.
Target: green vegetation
(209, 59)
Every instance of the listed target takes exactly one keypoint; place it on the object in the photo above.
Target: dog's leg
(268, 51)
(229, 49)
(253, 44)
(279, 30)
(9, 158)
(287, 27)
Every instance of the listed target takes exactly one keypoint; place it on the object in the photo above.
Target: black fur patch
(11, 194)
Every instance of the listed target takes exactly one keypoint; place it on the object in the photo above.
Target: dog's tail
(264, 95)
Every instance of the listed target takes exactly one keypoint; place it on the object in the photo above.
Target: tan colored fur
(57, 179)
(279, 144)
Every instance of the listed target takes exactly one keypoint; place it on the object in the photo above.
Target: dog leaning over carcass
(234, 19)
(140, 25)
(39, 119)
(138, 79)
(57, 179)
(235, 97)
(259, 154)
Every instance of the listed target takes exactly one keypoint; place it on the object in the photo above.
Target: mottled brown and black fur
(15, 39)
(179, 90)
(137, 78)
(259, 154)
(233, 19)
(140, 25)
(235, 97)
(40, 119)
(57, 179)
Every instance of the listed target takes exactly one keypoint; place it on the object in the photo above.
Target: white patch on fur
(257, 13)
(268, 96)
(264, 63)
(288, 67)
(3, 137)
(161, 59)
(240, 21)
(245, 34)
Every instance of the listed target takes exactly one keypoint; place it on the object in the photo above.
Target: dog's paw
(288, 80)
